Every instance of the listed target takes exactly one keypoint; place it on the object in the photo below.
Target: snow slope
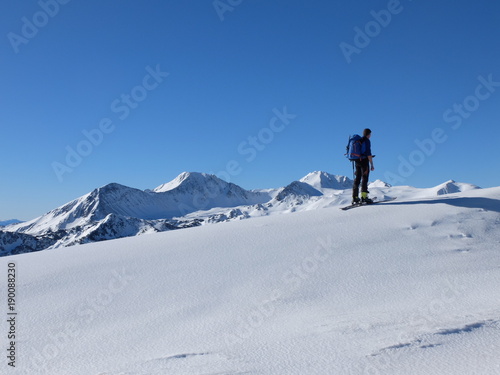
(408, 287)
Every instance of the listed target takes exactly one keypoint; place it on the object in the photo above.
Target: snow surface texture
(192, 199)
(409, 287)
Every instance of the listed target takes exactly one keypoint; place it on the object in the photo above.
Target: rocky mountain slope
(191, 199)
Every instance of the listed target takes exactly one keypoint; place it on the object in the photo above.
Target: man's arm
(370, 159)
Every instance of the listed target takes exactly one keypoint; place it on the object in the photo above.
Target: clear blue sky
(67, 68)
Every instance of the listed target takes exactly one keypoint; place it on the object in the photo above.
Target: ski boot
(356, 200)
(365, 199)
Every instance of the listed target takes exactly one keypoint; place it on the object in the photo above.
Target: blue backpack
(355, 148)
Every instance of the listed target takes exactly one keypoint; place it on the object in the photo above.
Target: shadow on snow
(467, 202)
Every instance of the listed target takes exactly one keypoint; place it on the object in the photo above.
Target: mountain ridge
(191, 199)
(4, 223)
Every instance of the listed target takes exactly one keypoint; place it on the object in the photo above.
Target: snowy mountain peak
(112, 187)
(208, 190)
(451, 186)
(297, 189)
(323, 180)
(315, 184)
(379, 184)
(188, 179)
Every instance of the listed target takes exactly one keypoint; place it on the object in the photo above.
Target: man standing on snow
(363, 166)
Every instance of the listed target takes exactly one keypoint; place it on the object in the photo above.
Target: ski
(365, 204)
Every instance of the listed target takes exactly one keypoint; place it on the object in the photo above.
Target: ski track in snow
(185, 364)
(442, 347)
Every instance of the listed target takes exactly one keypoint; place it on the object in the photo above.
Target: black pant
(362, 175)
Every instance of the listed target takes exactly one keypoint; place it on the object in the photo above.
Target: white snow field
(410, 287)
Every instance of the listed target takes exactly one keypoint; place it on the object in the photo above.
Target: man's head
(367, 133)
